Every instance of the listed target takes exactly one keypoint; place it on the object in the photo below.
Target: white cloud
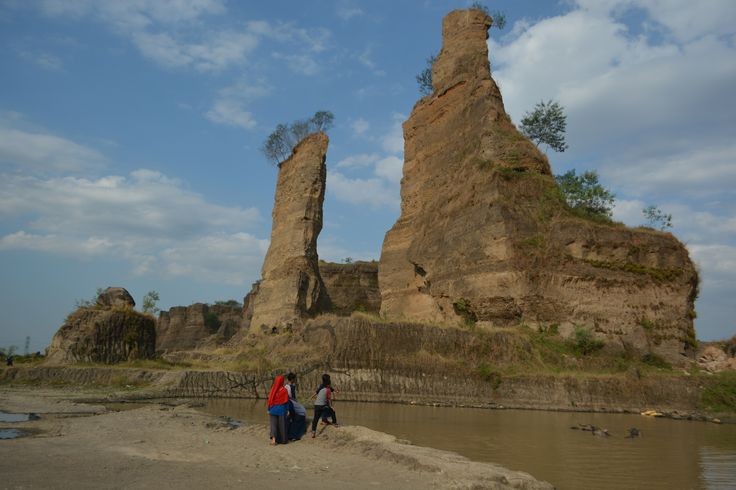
(299, 63)
(135, 14)
(231, 106)
(359, 191)
(346, 10)
(43, 152)
(147, 219)
(677, 16)
(360, 126)
(695, 171)
(393, 141)
(315, 40)
(717, 263)
(366, 60)
(390, 168)
(47, 61)
(359, 160)
(215, 53)
(228, 258)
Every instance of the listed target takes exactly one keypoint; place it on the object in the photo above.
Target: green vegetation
(585, 194)
(462, 307)
(282, 141)
(488, 373)
(546, 125)
(719, 393)
(655, 361)
(230, 302)
(659, 275)
(212, 321)
(656, 218)
(88, 303)
(584, 343)
(149, 303)
(424, 79)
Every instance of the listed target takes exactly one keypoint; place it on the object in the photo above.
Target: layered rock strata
(351, 287)
(484, 234)
(188, 327)
(291, 287)
(108, 333)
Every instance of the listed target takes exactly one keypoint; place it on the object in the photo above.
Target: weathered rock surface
(115, 297)
(715, 358)
(187, 327)
(351, 287)
(103, 334)
(291, 287)
(484, 233)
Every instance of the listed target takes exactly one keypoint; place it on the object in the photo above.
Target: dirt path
(85, 446)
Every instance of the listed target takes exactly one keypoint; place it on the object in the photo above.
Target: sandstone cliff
(187, 327)
(109, 332)
(351, 287)
(291, 287)
(485, 236)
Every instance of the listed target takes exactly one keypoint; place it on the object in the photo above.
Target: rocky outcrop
(485, 236)
(351, 287)
(187, 327)
(113, 297)
(104, 334)
(291, 287)
(716, 357)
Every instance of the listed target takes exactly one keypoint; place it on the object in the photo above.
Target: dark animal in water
(633, 432)
(596, 431)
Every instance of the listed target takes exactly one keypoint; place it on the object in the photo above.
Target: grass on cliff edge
(719, 393)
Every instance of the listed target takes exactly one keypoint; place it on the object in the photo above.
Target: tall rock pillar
(291, 287)
(485, 235)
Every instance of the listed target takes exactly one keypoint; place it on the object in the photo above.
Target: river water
(670, 454)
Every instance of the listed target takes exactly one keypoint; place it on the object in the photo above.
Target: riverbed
(668, 454)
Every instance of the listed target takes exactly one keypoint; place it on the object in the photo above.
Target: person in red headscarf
(278, 405)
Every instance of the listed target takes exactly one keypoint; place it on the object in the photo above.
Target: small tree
(424, 79)
(546, 124)
(585, 193)
(8, 351)
(322, 120)
(656, 218)
(282, 141)
(149, 302)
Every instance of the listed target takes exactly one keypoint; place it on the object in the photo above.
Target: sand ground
(79, 445)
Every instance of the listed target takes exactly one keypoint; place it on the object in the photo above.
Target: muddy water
(670, 454)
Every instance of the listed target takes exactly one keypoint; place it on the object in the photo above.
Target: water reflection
(669, 454)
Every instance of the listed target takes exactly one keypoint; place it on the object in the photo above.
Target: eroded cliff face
(108, 333)
(485, 236)
(189, 327)
(291, 287)
(351, 287)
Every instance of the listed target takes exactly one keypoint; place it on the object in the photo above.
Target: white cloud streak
(43, 152)
(147, 219)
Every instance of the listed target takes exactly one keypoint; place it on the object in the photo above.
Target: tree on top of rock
(282, 141)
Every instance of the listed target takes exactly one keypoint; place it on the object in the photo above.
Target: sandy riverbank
(157, 446)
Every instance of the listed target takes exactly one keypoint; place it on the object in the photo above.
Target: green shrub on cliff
(584, 342)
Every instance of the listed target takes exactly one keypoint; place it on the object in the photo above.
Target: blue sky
(130, 132)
